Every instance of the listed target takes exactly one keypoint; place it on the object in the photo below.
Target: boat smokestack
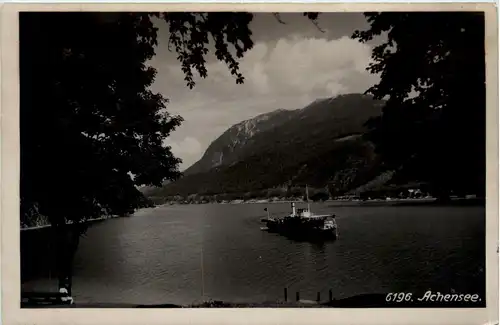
(293, 208)
(307, 198)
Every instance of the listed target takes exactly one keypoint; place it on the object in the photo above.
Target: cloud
(187, 149)
(291, 65)
(286, 73)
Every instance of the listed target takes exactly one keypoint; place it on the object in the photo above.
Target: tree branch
(315, 23)
(278, 18)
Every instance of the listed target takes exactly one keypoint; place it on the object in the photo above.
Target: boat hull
(300, 229)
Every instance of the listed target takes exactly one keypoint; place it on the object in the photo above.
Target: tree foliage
(88, 119)
(432, 69)
(192, 32)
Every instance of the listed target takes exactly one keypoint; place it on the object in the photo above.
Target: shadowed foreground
(359, 301)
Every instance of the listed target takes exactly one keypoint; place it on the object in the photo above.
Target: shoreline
(332, 204)
(88, 220)
(379, 202)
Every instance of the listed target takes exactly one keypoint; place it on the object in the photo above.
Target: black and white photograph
(251, 159)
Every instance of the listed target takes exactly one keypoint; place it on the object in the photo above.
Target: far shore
(350, 202)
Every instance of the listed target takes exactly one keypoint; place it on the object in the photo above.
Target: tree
(432, 68)
(320, 196)
(91, 129)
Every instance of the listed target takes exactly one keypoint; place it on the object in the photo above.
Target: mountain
(320, 145)
(227, 148)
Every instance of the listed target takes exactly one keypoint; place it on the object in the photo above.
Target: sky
(290, 65)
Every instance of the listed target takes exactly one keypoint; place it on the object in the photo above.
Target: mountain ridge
(320, 144)
(234, 137)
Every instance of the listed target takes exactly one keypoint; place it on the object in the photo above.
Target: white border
(10, 271)
(241, 1)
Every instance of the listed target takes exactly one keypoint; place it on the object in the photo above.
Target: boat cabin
(304, 212)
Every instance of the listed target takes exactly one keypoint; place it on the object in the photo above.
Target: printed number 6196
(398, 297)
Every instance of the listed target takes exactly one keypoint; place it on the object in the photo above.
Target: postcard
(249, 163)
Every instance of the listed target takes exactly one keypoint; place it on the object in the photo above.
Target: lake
(157, 255)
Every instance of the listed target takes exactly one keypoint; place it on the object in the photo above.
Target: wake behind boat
(303, 224)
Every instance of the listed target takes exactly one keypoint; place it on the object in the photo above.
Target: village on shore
(416, 196)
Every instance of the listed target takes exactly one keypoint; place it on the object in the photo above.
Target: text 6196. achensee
(432, 297)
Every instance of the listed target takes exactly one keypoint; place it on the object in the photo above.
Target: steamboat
(302, 224)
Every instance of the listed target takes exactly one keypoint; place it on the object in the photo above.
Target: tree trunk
(67, 238)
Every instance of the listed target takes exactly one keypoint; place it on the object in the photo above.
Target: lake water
(157, 255)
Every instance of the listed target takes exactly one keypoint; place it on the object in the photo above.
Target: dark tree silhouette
(432, 69)
(88, 119)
